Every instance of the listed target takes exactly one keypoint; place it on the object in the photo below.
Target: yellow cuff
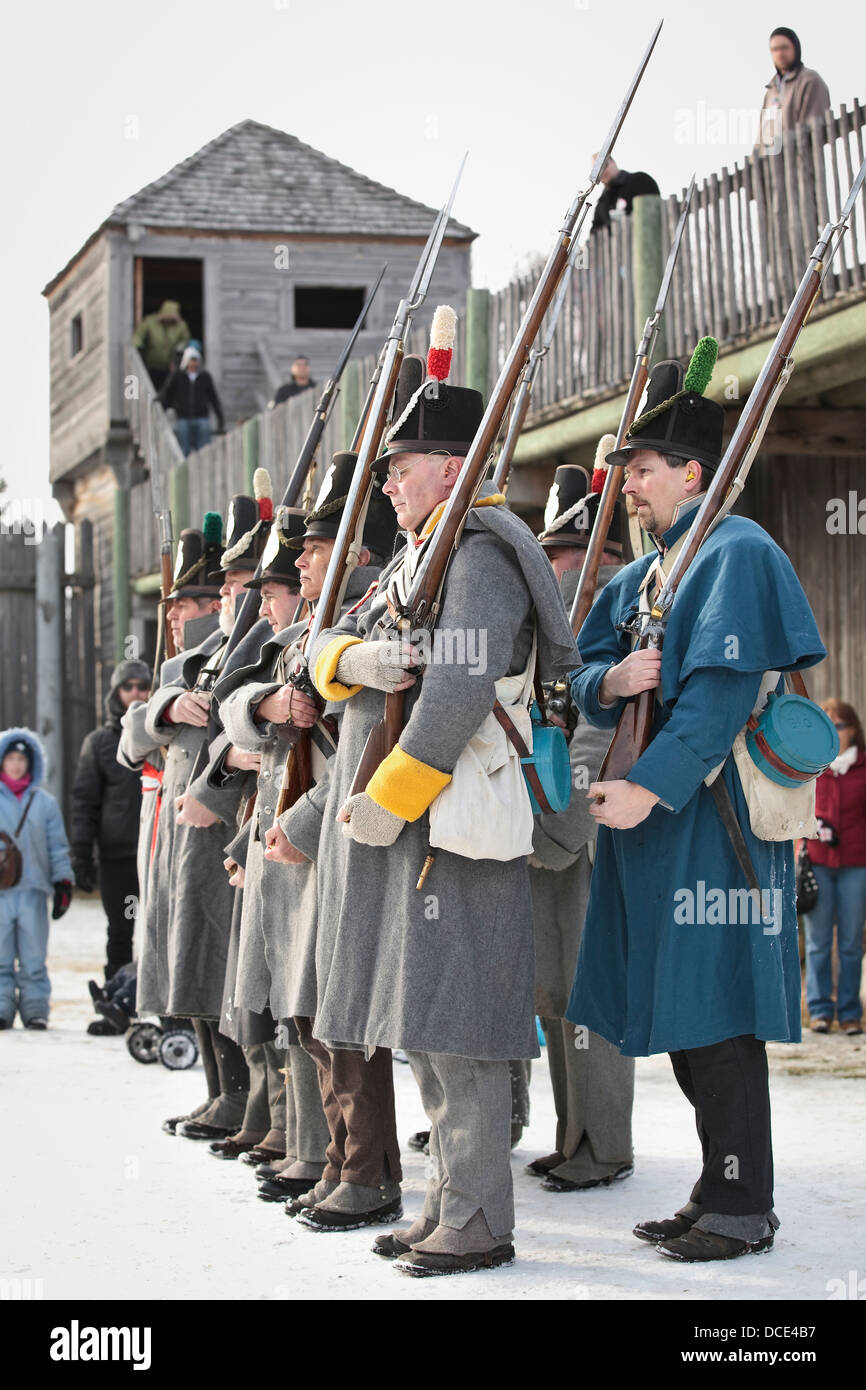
(404, 786)
(324, 675)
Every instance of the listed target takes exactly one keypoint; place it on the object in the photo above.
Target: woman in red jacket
(839, 859)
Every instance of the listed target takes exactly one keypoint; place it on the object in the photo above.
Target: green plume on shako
(678, 418)
(700, 368)
(212, 528)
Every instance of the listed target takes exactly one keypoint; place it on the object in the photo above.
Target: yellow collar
(496, 499)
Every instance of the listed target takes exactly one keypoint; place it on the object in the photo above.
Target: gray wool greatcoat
(563, 845)
(187, 916)
(276, 948)
(276, 956)
(136, 747)
(451, 968)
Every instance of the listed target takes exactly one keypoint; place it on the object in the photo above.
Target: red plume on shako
(606, 445)
(263, 493)
(442, 333)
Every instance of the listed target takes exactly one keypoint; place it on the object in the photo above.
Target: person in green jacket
(156, 338)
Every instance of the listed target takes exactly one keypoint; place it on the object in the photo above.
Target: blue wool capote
(662, 966)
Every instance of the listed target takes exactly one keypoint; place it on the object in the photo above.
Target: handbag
(807, 883)
(10, 855)
(485, 811)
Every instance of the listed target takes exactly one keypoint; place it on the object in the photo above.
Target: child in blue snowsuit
(45, 868)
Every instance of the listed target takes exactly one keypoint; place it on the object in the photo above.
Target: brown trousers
(358, 1101)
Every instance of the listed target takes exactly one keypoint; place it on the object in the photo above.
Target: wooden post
(647, 265)
(250, 443)
(120, 571)
(352, 393)
(49, 653)
(477, 341)
(178, 498)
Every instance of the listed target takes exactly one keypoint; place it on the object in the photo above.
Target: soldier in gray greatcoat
(261, 711)
(593, 1084)
(186, 920)
(257, 978)
(447, 974)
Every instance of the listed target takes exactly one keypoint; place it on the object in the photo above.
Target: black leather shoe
(228, 1148)
(280, 1189)
(36, 1025)
(419, 1141)
(255, 1155)
(5, 1023)
(389, 1247)
(193, 1129)
(266, 1171)
(657, 1231)
(540, 1167)
(554, 1184)
(422, 1265)
(698, 1247)
(318, 1219)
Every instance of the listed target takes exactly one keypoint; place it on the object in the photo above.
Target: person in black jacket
(620, 190)
(106, 803)
(190, 393)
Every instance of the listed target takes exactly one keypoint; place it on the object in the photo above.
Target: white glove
(379, 665)
(368, 823)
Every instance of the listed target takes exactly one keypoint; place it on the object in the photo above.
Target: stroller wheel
(178, 1049)
(143, 1042)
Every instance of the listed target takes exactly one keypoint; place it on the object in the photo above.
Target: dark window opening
(158, 278)
(77, 336)
(327, 306)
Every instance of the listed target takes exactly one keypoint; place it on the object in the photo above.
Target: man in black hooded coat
(106, 804)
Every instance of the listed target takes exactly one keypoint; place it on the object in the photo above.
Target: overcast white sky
(395, 89)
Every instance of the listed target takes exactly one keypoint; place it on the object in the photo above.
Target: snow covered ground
(98, 1203)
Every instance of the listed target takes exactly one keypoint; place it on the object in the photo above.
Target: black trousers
(727, 1084)
(224, 1064)
(118, 888)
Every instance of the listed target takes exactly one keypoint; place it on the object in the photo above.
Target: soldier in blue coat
(677, 956)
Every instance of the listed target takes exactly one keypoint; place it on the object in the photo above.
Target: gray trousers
(593, 1091)
(468, 1104)
(266, 1107)
(306, 1127)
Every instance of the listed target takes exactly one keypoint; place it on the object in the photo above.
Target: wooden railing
(748, 238)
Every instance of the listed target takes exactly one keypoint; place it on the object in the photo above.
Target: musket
(634, 729)
(344, 558)
(164, 634)
(422, 602)
(522, 399)
(367, 441)
(246, 616)
(588, 580)
(306, 458)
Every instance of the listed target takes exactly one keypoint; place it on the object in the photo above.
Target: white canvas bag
(484, 812)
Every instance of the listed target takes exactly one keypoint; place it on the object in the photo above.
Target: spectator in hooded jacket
(106, 806)
(191, 394)
(838, 856)
(794, 92)
(30, 816)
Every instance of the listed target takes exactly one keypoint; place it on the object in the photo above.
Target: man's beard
(227, 615)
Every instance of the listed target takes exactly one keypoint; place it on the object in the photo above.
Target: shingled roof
(253, 178)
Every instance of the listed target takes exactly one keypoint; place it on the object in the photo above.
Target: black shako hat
(677, 418)
(281, 550)
(572, 506)
(380, 527)
(197, 563)
(441, 417)
(247, 525)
